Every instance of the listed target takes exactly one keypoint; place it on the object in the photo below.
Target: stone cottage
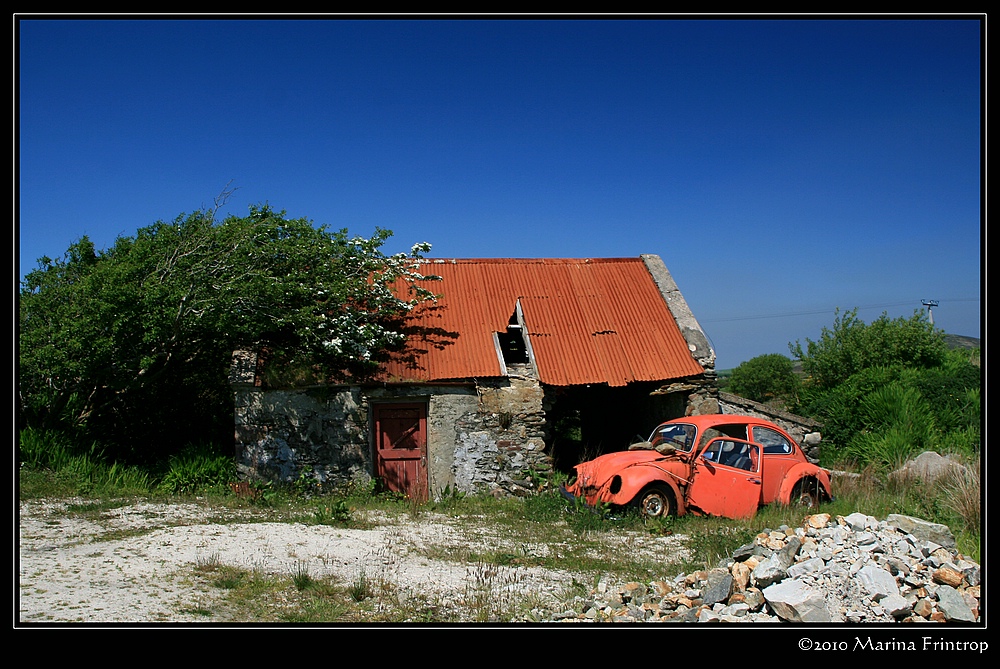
(522, 366)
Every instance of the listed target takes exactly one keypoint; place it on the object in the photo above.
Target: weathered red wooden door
(401, 448)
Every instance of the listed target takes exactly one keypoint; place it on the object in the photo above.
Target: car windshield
(679, 435)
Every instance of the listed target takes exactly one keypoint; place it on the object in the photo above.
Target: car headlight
(616, 484)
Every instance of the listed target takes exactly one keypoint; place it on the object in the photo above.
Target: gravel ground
(92, 568)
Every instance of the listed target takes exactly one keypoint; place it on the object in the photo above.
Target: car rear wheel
(657, 501)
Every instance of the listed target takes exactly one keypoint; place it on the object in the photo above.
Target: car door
(780, 455)
(725, 478)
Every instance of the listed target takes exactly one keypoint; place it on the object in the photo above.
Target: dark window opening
(512, 345)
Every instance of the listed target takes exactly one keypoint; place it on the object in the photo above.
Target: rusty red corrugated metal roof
(594, 320)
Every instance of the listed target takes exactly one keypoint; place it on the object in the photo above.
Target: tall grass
(197, 467)
(963, 496)
(899, 426)
(76, 470)
(51, 463)
(43, 449)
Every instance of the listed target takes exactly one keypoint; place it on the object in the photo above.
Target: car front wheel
(657, 501)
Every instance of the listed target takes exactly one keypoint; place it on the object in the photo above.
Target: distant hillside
(958, 341)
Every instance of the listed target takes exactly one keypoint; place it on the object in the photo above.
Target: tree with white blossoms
(132, 345)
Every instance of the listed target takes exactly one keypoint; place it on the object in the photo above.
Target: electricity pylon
(930, 304)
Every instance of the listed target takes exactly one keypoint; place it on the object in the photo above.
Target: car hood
(600, 469)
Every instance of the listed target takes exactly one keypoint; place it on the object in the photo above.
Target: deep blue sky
(781, 168)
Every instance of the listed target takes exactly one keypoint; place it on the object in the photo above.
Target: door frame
(416, 481)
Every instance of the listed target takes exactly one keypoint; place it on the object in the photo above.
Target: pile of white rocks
(853, 569)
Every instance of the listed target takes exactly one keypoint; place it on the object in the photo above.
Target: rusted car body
(718, 465)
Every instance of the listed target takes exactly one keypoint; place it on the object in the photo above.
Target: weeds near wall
(50, 463)
(197, 467)
(332, 512)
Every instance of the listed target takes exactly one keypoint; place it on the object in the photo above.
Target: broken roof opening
(512, 343)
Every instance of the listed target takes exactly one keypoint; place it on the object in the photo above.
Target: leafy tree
(133, 344)
(888, 390)
(765, 378)
(852, 346)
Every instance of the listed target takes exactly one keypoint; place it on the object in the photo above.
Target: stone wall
(804, 430)
(487, 438)
(501, 446)
(318, 434)
(701, 395)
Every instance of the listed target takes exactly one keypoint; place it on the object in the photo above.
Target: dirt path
(97, 568)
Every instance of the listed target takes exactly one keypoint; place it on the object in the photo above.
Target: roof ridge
(455, 261)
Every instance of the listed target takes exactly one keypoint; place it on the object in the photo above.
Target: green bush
(951, 391)
(197, 467)
(898, 424)
(765, 378)
(837, 407)
(852, 346)
(131, 345)
(883, 413)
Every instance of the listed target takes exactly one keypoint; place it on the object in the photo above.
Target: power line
(790, 314)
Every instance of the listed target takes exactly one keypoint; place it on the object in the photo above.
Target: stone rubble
(852, 569)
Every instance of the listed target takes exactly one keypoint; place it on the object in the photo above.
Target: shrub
(951, 392)
(197, 466)
(765, 378)
(852, 346)
(837, 407)
(898, 424)
(947, 396)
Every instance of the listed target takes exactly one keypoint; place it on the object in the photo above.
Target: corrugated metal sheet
(588, 320)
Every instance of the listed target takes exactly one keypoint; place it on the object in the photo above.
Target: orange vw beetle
(718, 465)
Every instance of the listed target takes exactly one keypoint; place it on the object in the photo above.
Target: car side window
(774, 443)
(731, 453)
(736, 431)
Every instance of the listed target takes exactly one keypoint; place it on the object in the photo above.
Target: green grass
(544, 530)
(549, 520)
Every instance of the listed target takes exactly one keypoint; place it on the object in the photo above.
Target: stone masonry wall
(501, 445)
(318, 434)
(487, 438)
